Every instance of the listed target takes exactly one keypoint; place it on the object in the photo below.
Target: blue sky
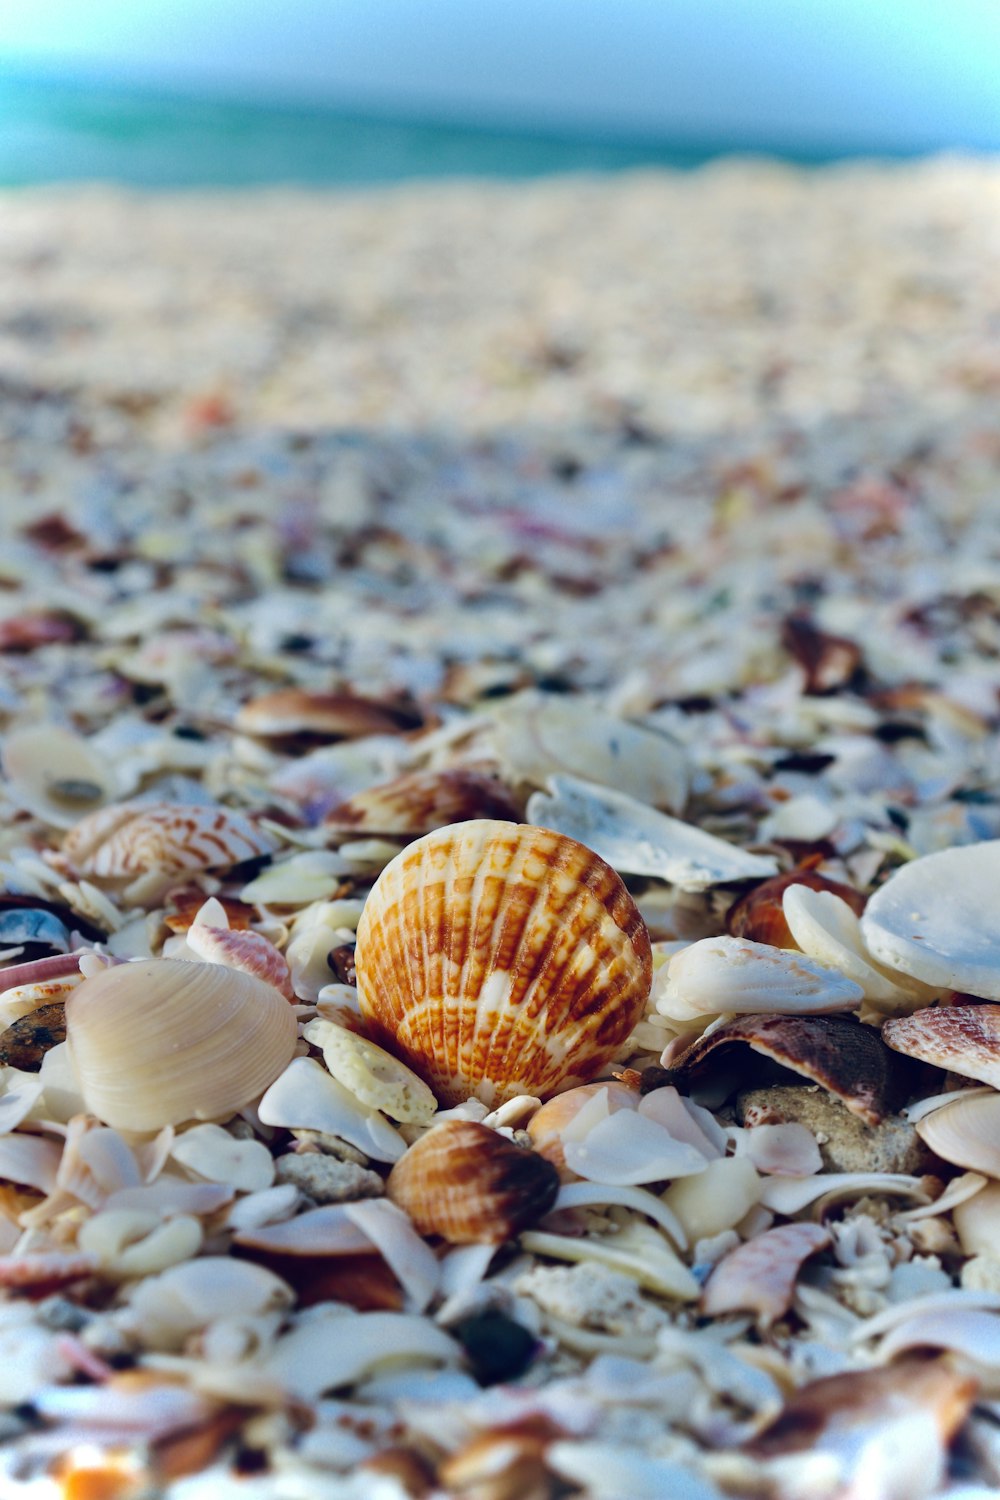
(878, 73)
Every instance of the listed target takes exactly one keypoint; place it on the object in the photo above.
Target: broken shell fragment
(759, 914)
(424, 800)
(471, 1186)
(56, 775)
(499, 959)
(935, 919)
(728, 974)
(165, 838)
(371, 1074)
(760, 1276)
(305, 1097)
(159, 1041)
(334, 715)
(553, 1124)
(845, 1058)
(959, 1038)
(966, 1133)
(827, 929)
(636, 839)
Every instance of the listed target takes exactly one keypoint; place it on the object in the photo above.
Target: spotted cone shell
(499, 959)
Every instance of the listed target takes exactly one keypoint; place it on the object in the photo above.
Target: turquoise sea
(59, 130)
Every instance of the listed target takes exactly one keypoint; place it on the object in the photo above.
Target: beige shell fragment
(826, 929)
(966, 1133)
(636, 839)
(56, 775)
(371, 1074)
(734, 975)
(499, 959)
(935, 919)
(159, 1041)
(305, 1097)
(336, 715)
(760, 1276)
(638, 1251)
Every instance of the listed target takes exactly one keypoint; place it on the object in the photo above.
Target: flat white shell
(936, 919)
(734, 975)
(826, 928)
(636, 839)
(305, 1097)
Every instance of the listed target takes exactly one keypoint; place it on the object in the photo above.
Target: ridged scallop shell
(133, 838)
(250, 952)
(960, 1038)
(472, 1186)
(160, 1041)
(423, 801)
(935, 919)
(499, 959)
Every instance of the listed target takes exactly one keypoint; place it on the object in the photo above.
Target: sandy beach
(613, 504)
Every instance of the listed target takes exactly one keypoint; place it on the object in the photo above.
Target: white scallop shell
(727, 974)
(936, 919)
(636, 839)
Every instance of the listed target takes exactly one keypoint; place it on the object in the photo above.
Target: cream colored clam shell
(159, 1041)
(937, 919)
(638, 840)
(500, 959)
(734, 975)
(966, 1133)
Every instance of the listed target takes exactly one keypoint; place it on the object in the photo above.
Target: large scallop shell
(500, 959)
(935, 919)
(160, 1041)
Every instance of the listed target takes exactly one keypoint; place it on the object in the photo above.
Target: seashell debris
(469, 1185)
(733, 975)
(56, 775)
(959, 1038)
(424, 800)
(159, 1041)
(760, 1276)
(162, 840)
(498, 959)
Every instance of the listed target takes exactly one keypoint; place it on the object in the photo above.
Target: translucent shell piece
(935, 919)
(133, 838)
(160, 1041)
(472, 1186)
(500, 959)
(55, 774)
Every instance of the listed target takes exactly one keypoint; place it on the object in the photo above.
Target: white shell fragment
(56, 775)
(371, 1074)
(826, 929)
(728, 974)
(323, 1352)
(759, 1277)
(627, 1148)
(212, 1153)
(636, 839)
(935, 919)
(305, 1097)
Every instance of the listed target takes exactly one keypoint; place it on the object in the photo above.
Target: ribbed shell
(471, 1186)
(424, 800)
(500, 959)
(132, 838)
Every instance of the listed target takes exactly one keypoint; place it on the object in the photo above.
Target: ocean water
(57, 130)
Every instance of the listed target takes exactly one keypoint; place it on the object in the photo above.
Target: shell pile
(500, 841)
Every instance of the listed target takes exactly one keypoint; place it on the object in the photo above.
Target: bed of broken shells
(696, 565)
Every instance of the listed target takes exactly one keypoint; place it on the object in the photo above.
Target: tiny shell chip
(499, 959)
(637, 839)
(935, 919)
(961, 1038)
(371, 1074)
(722, 974)
(55, 774)
(133, 838)
(423, 801)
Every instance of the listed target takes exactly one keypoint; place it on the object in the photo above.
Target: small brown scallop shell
(843, 1056)
(424, 800)
(499, 959)
(471, 1186)
(133, 838)
(759, 915)
(959, 1038)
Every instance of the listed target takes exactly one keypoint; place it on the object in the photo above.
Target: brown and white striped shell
(499, 959)
(472, 1186)
(132, 838)
(424, 800)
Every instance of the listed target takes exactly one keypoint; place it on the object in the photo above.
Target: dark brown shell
(828, 661)
(759, 915)
(25, 1043)
(471, 1186)
(292, 711)
(843, 1056)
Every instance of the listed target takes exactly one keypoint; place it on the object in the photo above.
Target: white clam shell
(536, 736)
(935, 919)
(966, 1133)
(322, 1353)
(159, 1041)
(636, 839)
(826, 929)
(734, 975)
(56, 775)
(305, 1097)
